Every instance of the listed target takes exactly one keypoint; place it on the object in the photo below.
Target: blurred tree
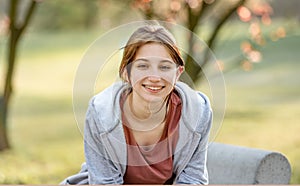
(211, 16)
(17, 25)
(67, 14)
(207, 16)
(71, 14)
(80, 15)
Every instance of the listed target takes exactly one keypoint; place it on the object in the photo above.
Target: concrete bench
(229, 164)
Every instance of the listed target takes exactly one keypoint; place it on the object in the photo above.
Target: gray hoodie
(105, 145)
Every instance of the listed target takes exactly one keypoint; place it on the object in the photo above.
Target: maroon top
(154, 166)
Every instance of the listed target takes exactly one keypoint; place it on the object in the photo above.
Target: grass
(262, 108)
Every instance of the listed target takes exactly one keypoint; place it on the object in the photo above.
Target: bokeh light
(244, 14)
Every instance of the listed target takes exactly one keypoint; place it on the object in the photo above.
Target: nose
(154, 74)
(154, 78)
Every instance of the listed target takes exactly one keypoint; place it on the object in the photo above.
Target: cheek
(170, 78)
(135, 77)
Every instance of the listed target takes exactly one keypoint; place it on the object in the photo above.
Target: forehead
(153, 50)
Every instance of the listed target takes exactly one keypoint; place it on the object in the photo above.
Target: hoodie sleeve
(100, 168)
(195, 172)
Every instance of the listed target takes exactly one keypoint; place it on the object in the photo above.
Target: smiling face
(153, 73)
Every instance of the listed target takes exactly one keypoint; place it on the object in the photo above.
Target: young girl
(149, 128)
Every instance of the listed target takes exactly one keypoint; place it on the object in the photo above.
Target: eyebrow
(147, 60)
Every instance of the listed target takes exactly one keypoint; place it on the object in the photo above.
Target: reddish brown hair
(148, 34)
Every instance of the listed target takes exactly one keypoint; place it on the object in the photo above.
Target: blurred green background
(263, 99)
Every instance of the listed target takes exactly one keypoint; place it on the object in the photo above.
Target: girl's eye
(142, 66)
(165, 67)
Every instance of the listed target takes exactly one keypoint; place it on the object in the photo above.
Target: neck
(143, 115)
(143, 109)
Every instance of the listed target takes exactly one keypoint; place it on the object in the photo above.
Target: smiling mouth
(153, 88)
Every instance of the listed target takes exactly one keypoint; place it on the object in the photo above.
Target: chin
(154, 99)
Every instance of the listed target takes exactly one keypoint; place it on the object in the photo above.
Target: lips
(153, 88)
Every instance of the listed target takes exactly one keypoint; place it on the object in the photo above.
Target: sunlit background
(256, 43)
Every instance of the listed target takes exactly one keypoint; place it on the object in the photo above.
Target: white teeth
(153, 88)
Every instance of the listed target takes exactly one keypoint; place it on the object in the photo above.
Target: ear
(180, 70)
(125, 76)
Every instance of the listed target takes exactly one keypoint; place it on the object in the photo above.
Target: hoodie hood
(107, 106)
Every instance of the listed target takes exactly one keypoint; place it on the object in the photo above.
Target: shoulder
(109, 94)
(196, 108)
(192, 99)
(104, 107)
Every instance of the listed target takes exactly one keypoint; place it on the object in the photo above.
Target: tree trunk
(12, 49)
(16, 31)
(194, 69)
(4, 144)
